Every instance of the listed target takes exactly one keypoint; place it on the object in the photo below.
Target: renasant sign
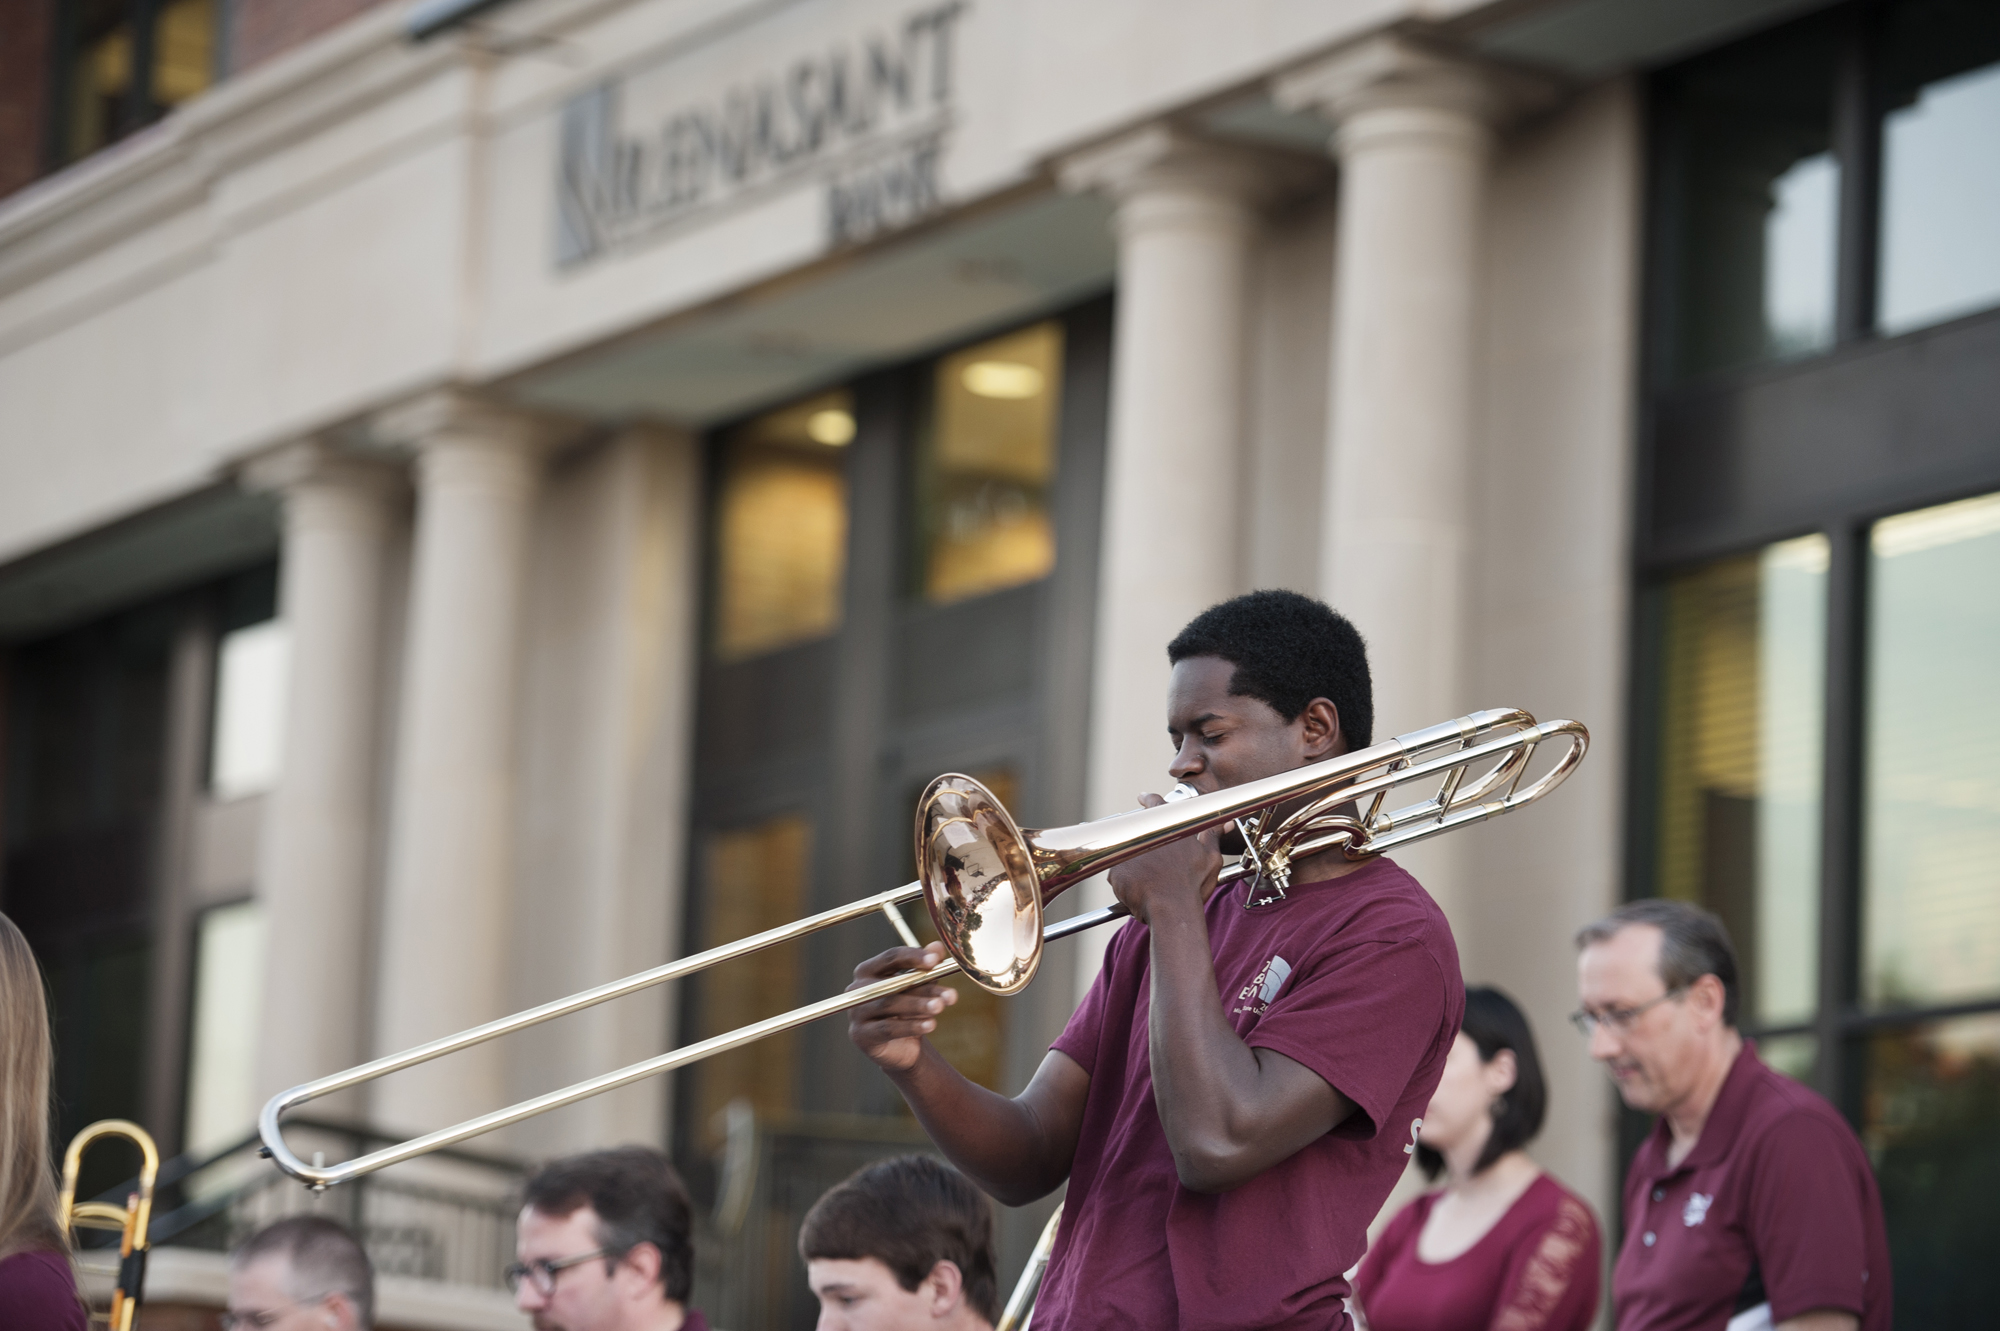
(868, 120)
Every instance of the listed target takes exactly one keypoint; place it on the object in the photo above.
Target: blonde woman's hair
(28, 1216)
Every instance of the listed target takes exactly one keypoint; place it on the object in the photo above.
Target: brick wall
(25, 33)
(260, 29)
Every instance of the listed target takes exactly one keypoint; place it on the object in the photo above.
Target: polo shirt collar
(1719, 1132)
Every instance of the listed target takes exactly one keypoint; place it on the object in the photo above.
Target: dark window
(901, 582)
(91, 720)
(1819, 543)
(122, 64)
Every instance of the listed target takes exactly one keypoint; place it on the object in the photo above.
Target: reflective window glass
(1740, 743)
(1931, 913)
(1927, 1114)
(1940, 163)
(113, 88)
(247, 747)
(754, 878)
(183, 50)
(222, 1030)
(1751, 192)
(986, 465)
(781, 527)
(1793, 1055)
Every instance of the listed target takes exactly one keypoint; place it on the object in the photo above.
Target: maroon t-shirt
(1776, 1185)
(38, 1289)
(1535, 1270)
(1356, 978)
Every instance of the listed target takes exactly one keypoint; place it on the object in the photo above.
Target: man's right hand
(891, 1030)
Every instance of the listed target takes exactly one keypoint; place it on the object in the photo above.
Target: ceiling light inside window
(1002, 378)
(830, 427)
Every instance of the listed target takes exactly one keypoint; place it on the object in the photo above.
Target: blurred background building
(496, 495)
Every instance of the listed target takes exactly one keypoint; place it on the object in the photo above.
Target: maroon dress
(1536, 1270)
(37, 1289)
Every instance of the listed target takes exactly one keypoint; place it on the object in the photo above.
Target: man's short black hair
(638, 1199)
(1494, 1022)
(1287, 649)
(909, 1214)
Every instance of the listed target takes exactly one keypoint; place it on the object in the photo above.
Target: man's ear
(946, 1284)
(1320, 730)
(644, 1259)
(1706, 996)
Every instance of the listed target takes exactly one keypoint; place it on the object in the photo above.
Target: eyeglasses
(542, 1274)
(263, 1317)
(1619, 1019)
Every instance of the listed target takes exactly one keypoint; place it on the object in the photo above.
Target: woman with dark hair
(37, 1287)
(1502, 1246)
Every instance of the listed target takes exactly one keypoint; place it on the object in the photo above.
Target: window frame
(1733, 461)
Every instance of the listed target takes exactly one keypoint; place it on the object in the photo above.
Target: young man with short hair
(605, 1243)
(903, 1245)
(1237, 1094)
(1751, 1202)
(302, 1273)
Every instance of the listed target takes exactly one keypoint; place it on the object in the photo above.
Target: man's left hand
(1178, 875)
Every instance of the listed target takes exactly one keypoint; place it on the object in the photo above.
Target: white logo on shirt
(1416, 1126)
(1264, 986)
(1696, 1209)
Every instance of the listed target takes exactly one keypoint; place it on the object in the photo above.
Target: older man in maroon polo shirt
(1751, 1204)
(1233, 1100)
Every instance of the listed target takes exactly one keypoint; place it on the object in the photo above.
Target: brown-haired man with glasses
(605, 1243)
(1751, 1205)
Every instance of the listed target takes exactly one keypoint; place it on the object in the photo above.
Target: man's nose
(1604, 1042)
(526, 1297)
(1187, 761)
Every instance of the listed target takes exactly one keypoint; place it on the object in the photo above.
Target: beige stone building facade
(496, 496)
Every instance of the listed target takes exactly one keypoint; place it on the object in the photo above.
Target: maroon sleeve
(1364, 1020)
(1806, 1216)
(1551, 1279)
(1079, 1038)
(37, 1289)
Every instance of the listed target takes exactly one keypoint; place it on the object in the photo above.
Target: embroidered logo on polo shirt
(1256, 996)
(1696, 1209)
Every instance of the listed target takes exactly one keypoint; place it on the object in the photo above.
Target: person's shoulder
(1381, 899)
(39, 1281)
(1388, 905)
(1783, 1113)
(1550, 1203)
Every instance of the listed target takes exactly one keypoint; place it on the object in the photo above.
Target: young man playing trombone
(1235, 1096)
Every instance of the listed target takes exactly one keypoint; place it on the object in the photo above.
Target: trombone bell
(980, 884)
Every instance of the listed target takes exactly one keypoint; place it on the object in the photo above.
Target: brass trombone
(131, 1221)
(985, 882)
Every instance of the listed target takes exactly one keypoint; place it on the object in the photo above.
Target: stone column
(1414, 135)
(452, 836)
(1186, 221)
(318, 842)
